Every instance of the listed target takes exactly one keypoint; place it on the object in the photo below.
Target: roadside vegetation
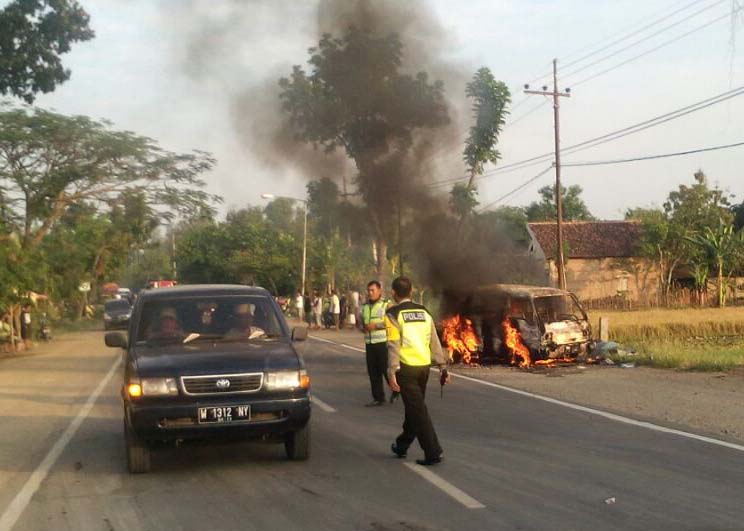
(706, 339)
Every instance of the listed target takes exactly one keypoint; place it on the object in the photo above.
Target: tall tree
(356, 98)
(35, 33)
(574, 208)
(50, 162)
(667, 233)
(490, 99)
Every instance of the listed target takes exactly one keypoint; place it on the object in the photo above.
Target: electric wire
(517, 189)
(622, 36)
(571, 73)
(608, 137)
(652, 157)
(655, 48)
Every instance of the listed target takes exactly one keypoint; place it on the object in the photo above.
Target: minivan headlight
(287, 380)
(159, 386)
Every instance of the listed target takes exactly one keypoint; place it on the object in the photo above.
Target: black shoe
(375, 403)
(394, 396)
(401, 453)
(429, 461)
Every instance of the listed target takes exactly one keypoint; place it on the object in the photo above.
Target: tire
(297, 444)
(138, 453)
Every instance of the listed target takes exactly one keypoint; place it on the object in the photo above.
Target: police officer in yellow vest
(413, 345)
(372, 324)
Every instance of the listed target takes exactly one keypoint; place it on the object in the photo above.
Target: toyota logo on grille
(222, 383)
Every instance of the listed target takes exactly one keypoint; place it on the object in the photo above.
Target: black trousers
(377, 361)
(417, 424)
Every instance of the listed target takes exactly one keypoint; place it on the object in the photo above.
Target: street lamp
(304, 231)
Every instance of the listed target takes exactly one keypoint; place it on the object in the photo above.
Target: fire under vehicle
(521, 325)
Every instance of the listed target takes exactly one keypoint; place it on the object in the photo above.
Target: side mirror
(115, 339)
(299, 333)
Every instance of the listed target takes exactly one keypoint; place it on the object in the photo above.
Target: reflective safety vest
(414, 327)
(375, 314)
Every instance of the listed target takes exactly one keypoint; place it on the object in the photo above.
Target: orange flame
(459, 336)
(513, 341)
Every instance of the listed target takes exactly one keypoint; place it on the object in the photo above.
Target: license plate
(213, 415)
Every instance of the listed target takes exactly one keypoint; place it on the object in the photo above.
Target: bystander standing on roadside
(317, 310)
(299, 305)
(26, 326)
(335, 308)
(344, 309)
(308, 308)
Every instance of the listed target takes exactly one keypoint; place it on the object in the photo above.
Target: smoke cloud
(224, 41)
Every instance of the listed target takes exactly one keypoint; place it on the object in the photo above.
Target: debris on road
(610, 501)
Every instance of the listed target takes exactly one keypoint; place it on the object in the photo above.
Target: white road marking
(22, 499)
(357, 349)
(592, 411)
(322, 405)
(610, 416)
(445, 486)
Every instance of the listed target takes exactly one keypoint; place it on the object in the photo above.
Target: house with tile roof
(603, 260)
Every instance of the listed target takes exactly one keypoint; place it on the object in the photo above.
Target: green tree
(356, 98)
(463, 200)
(490, 99)
(667, 234)
(51, 161)
(721, 246)
(35, 33)
(574, 208)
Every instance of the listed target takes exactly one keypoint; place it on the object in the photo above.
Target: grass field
(695, 339)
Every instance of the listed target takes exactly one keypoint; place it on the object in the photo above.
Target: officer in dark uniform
(412, 347)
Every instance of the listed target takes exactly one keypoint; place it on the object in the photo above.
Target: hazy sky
(148, 72)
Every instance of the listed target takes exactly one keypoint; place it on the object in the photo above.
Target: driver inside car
(243, 324)
(167, 325)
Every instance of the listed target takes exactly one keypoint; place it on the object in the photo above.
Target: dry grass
(695, 339)
(672, 325)
(687, 357)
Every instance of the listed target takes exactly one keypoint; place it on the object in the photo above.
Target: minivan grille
(222, 383)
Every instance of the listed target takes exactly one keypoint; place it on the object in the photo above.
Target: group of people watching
(329, 310)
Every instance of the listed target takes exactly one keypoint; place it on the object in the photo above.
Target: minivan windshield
(193, 319)
(558, 308)
(116, 306)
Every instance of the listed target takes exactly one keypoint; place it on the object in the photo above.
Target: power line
(652, 157)
(655, 48)
(517, 189)
(608, 137)
(624, 35)
(525, 114)
(607, 162)
(640, 41)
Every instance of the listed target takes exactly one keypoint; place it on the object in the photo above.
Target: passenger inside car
(243, 324)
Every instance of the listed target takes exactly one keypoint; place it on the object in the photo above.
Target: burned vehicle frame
(551, 323)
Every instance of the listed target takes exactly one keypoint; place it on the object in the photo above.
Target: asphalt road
(511, 462)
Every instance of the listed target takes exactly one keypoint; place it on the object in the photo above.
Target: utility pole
(557, 164)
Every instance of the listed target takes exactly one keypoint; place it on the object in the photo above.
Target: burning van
(521, 325)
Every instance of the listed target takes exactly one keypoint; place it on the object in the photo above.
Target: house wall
(637, 279)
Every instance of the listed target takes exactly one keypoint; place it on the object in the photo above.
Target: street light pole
(304, 232)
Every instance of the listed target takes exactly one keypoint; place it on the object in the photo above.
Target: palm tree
(721, 245)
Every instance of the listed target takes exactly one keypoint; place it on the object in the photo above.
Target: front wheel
(138, 453)
(297, 444)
